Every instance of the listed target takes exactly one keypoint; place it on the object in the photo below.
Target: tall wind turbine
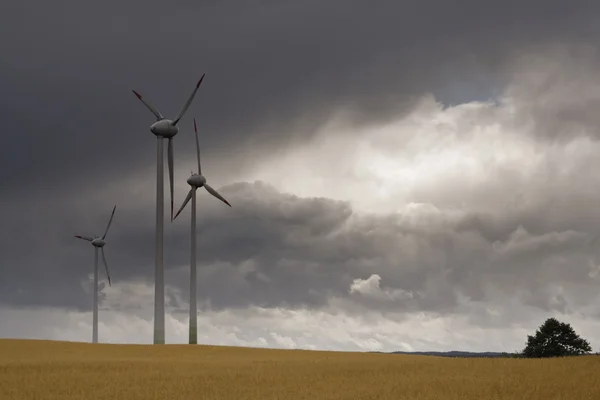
(98, 243)
(195, 181)
(163, 128)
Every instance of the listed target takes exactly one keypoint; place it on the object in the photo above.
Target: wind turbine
(98, 243)
(163, 128)
(195, 181)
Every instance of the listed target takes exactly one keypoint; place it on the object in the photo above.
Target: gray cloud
(273, 71)
(521, 224)
(274, 250)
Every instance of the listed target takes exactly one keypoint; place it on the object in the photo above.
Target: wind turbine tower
(98, 243)
(195, 181)
(163, 128)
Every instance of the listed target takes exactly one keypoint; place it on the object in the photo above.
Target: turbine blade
(197, 148)
(187, 199)
(189, 101)
(217, 195)
(170, 160)
(150, 107)
(109, 222)
(105, 264)
(88, 238)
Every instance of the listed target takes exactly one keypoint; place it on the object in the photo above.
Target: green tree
(555, 339)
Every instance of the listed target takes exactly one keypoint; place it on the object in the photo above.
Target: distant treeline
(461, 354)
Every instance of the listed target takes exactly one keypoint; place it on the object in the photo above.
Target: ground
(32, 369)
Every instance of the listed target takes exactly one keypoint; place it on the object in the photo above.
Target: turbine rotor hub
(98, 242)
(196, 180)
(164, 128)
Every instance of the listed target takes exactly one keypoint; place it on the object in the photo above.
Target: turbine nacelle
(196, 180)
(98, 242)
(164, 128)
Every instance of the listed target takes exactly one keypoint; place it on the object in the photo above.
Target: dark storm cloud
(274, 249)
(565, 78)
(272, 70)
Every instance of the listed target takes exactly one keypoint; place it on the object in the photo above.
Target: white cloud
(279, 328)
(477, 156)
(478, 326)
(382, 169)
(370, 288)
(283, 341)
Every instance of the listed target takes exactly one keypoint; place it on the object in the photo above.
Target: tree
(555, 339)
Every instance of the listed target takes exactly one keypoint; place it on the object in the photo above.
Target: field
(31, 369)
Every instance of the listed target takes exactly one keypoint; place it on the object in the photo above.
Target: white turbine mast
(163, 128)
(195, 181)
(98, 243)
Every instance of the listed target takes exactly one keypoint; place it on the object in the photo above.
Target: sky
(413, 176)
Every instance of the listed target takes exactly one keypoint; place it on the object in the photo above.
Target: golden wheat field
(32, 369)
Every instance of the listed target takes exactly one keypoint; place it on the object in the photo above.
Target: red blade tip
(200, 81)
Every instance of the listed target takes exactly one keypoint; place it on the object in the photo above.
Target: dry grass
(31, 369)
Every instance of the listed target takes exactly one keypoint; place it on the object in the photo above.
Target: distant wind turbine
(98, 243)
(163, 128)
(195, 181)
